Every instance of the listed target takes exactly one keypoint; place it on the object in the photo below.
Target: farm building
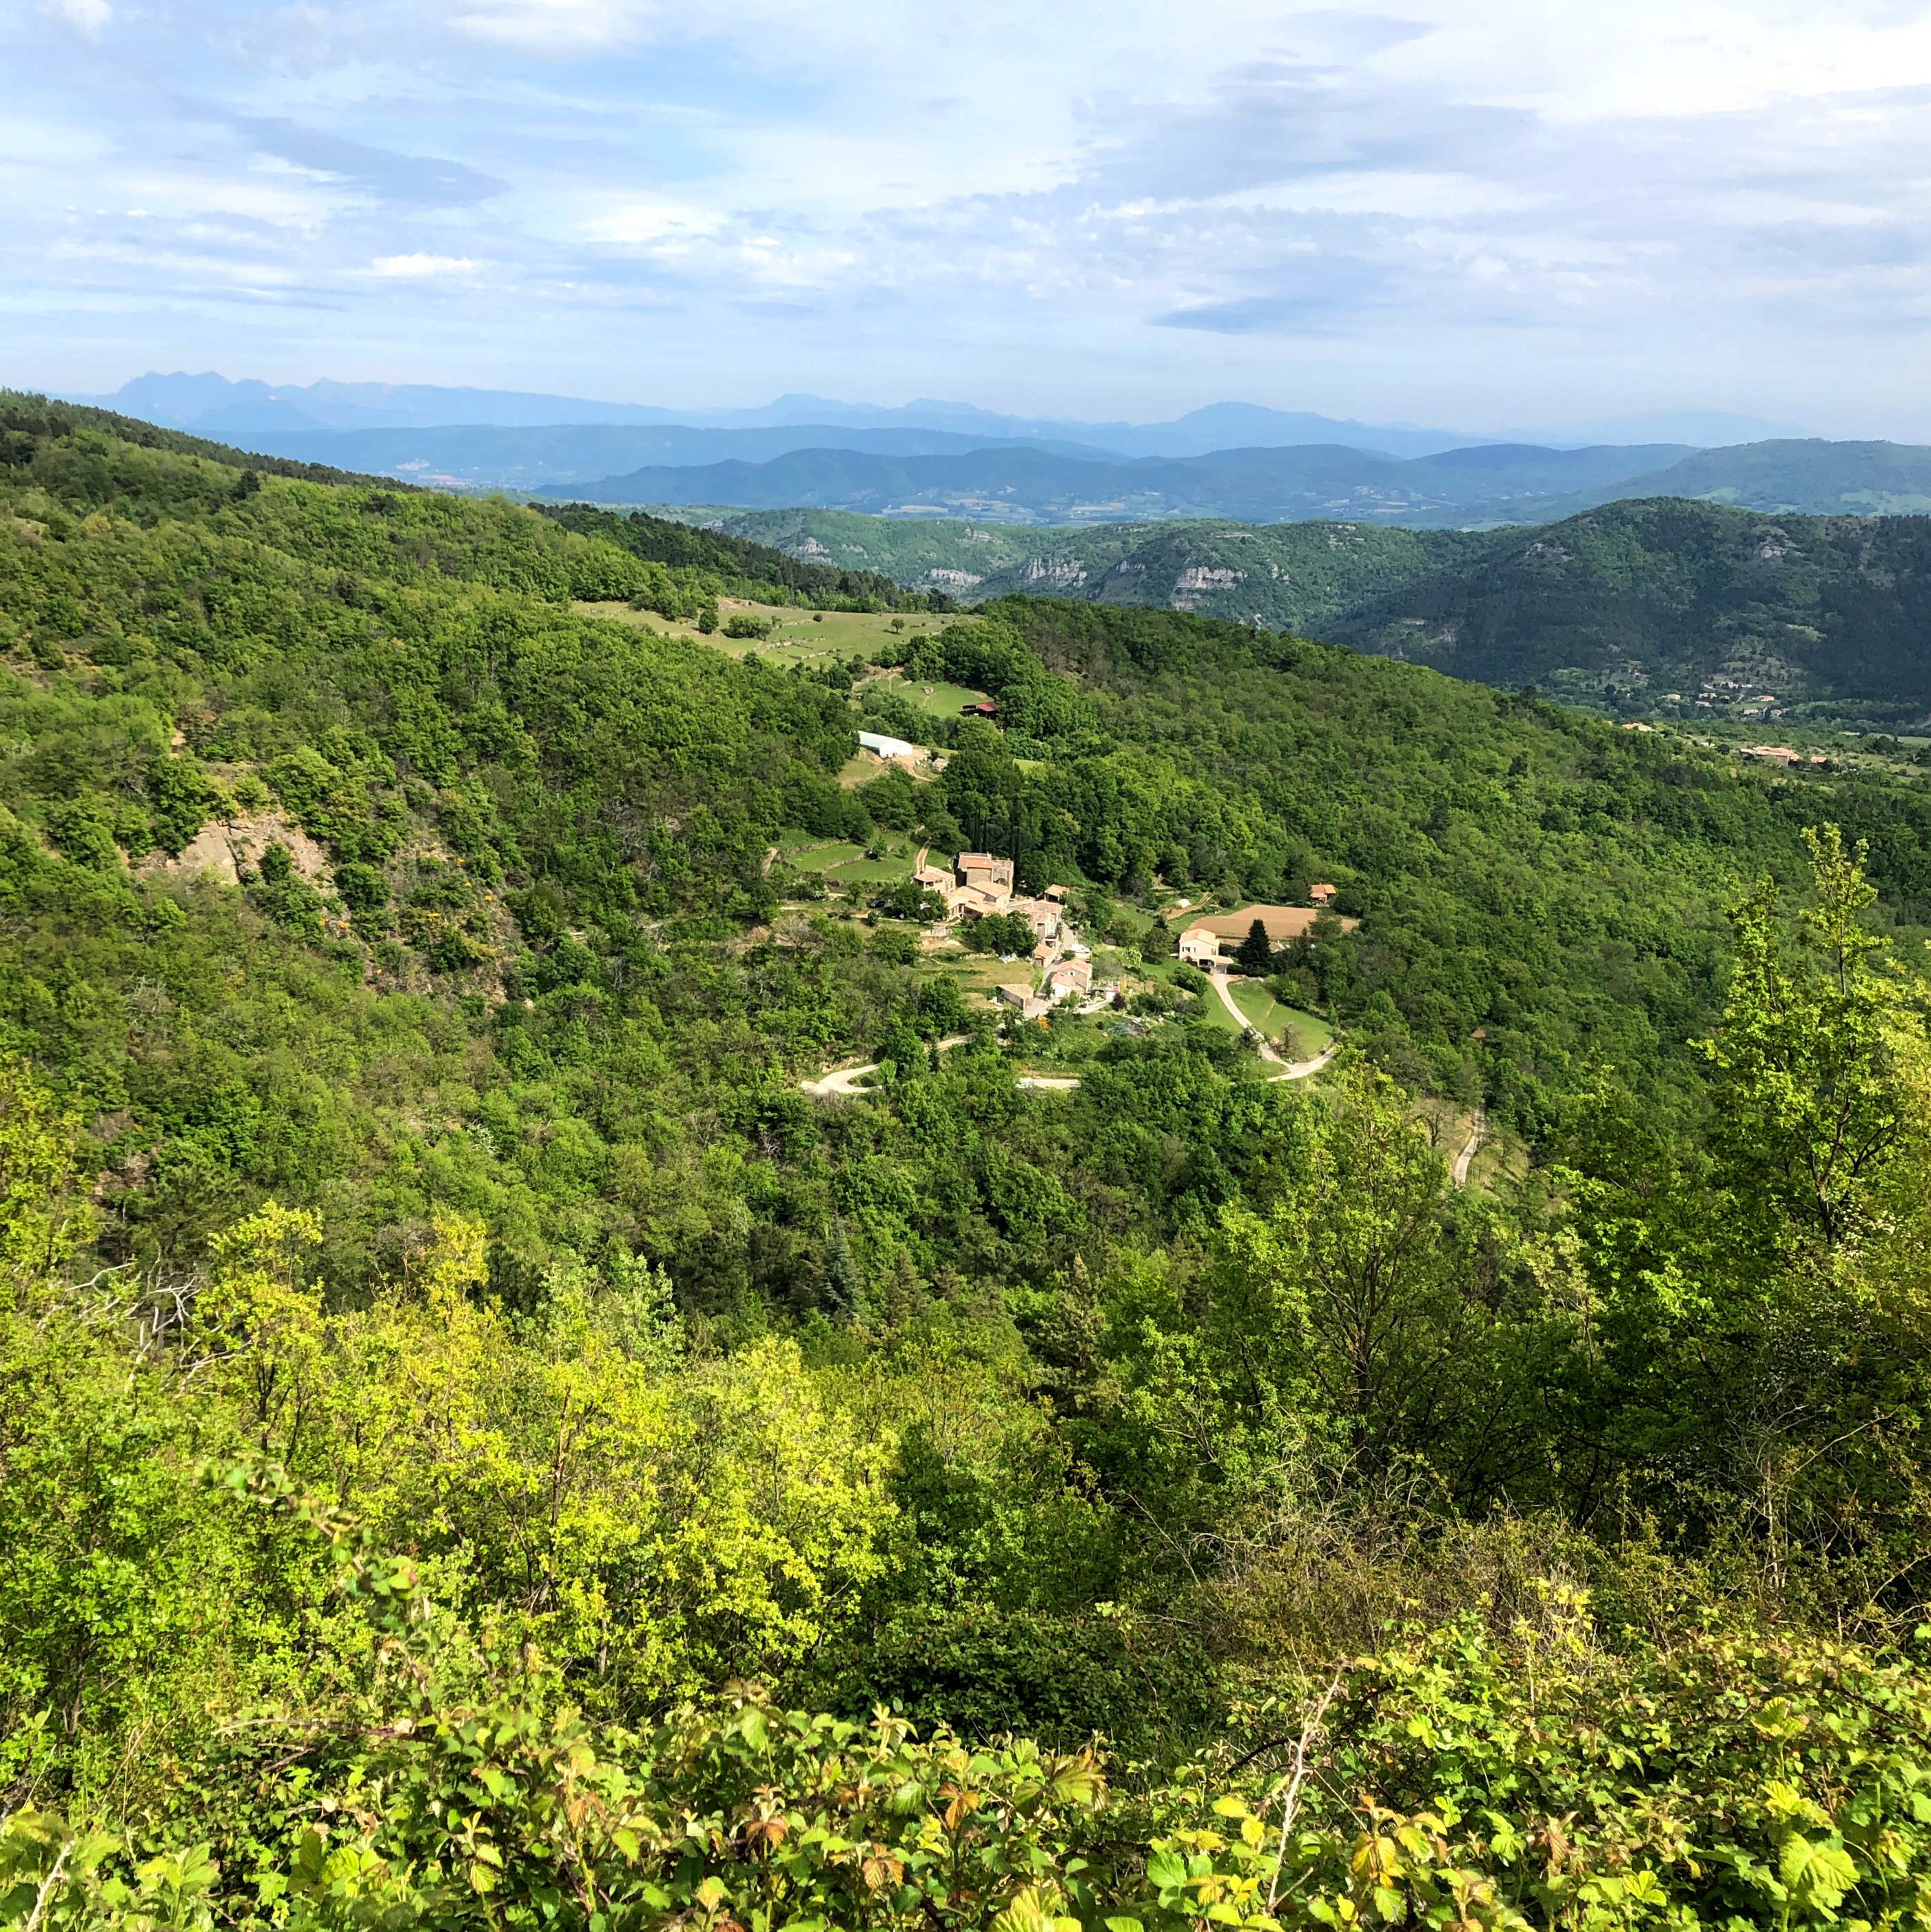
(1045, 919)
(1202, 942)
(883, 747)
(974, 901)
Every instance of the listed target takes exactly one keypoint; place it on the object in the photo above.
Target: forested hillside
(1810, 476)
(752, 570)
(1661, 604)
(1616, 608)
(1291, 577)
(479, 1442)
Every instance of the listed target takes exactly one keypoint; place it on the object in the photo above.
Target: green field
(804, 638)
(936, 700)
(1272, 1020)
(810, 638)
(842, 862)
(798, 636)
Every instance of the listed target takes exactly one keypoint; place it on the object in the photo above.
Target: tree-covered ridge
(751, 570)
(1616, 608)
(26, 415)
(1810, 477)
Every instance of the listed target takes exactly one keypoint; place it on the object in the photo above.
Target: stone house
(1070, 976)
(1200, 945)
(983, 870)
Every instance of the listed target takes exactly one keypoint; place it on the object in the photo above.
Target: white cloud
(421, 267)
(1439, 206)
(555, 29)
(90, 16)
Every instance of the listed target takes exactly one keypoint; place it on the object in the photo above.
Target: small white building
(883, 747)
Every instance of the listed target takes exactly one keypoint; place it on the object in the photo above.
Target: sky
(1475, 212)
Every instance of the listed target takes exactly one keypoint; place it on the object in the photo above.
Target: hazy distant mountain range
(578, 457)
(1022, 484)
(1474, 487)
(933, 459)
(268, 416)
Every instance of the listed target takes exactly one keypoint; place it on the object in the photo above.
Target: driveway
(1289, 1069)
(850, 1079)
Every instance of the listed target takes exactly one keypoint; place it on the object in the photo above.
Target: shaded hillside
(1637, 601)
(24, 415)
(748, 569)
(1615, 608)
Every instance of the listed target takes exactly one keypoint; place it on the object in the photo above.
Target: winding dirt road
(847, 1079)
(1478, 1131)
(1290, 1069)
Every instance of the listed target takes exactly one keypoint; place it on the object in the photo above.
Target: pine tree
(1255, 953)
(842, 1294)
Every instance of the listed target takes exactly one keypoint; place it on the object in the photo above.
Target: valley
(650, 1235)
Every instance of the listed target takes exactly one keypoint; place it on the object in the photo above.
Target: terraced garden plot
(842, 862)
(982, 973)
(870, 871)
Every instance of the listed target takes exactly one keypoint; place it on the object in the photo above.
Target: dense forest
(479, 1445)
(1640, 609)
(753, 570)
